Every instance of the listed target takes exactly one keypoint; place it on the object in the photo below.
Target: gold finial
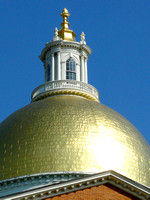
(65, 14)
(65, 33)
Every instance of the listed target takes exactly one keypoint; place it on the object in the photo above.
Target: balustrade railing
(62, 84)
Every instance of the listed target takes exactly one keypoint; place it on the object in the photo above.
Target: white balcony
(66, 87)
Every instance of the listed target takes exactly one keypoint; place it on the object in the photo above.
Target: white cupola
(65, 65)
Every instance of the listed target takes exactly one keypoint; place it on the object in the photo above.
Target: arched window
(71, 69)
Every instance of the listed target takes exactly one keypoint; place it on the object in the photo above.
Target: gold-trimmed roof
(65, 33)
(71, 134)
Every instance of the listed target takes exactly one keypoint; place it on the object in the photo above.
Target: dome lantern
(65, 66)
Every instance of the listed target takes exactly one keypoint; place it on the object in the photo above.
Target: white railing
(64, 84)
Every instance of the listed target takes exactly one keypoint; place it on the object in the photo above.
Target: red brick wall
(102, 192)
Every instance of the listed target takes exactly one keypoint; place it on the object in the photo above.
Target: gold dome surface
(71, 134)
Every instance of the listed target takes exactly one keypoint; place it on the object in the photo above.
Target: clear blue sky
(118, 31)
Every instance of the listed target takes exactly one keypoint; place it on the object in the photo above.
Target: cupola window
(71, 69)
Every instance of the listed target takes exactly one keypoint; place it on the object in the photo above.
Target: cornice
(27, 182)
(62, 44)
(111, 177)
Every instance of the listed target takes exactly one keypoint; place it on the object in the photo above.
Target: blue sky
(118, 32)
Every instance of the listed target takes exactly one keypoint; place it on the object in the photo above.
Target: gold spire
(65, 33)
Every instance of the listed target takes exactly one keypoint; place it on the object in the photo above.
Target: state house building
(66, 144)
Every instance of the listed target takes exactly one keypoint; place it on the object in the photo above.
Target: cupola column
(85, 64)
(78, 72)
(82, 68)
(53, 67)
(58, 65)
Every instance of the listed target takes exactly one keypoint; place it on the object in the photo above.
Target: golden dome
(71, 134)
